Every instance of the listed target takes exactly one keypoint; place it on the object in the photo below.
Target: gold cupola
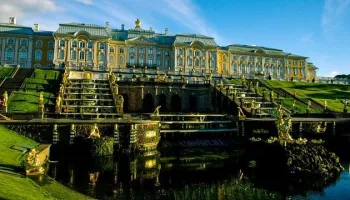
(138, 23)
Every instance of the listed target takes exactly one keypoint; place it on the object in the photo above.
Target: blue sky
(319, 29)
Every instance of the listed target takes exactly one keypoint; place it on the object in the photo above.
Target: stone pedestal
(116, 134)
(72, 134)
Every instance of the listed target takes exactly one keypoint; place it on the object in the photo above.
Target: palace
(87, 46)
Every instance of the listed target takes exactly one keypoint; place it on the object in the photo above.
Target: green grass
(319, 92)
(31, 84)
(6, 71)
(46, 74)
(26, 102)
(236, 81)
(15, 187)
(9, 138)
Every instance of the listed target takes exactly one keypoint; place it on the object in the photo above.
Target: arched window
(23, 42)
(89, 56)
(251, 67)
(158, 62)
(167, 62)
(212, 63)
(38, 54)
(141, 50)
(189, 61)
(132, 60)
(111, 49)
(132, 49)
(196, 62)
(62, 43)
(50, 55)
(150, 51)
(196, 53)
(282, 71)
(203, 62)
(23, 54)
(81, 55)
(243, 68)
(150, 61)
(181, 52)
(121, 50)
(274, 70)
(102, 45)
(90, 44)
(159, 52)
(111, 59)
(251, 59)
(51, 44)
(235, 68)
(74, 55)
(224, 66)
(61, 54)
(121, 59)
(259, 68)
(101, 56)
(74, 44)
(141, 60)
(180, 61)
(266, 69)
(82, 45)
(39, 43)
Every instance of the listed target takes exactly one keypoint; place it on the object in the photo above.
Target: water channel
(200, 173)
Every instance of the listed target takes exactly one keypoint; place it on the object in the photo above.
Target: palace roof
(15, 29)
(73, 28)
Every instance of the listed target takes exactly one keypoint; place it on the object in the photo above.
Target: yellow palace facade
(88, 46)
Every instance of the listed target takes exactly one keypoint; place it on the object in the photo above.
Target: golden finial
(138, 23)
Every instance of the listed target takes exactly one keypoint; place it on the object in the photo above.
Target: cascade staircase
(195, 123)
(86, 98)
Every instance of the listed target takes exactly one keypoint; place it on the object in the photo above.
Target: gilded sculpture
(41, 99)
(4, 99)
(58, 103)
(283, 124)
(120, 104)
(95, 132)
(32, 163)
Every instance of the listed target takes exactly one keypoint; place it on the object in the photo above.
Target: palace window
(224, 57)
(167, 62)
(234, 57)
(132, 49)
(74, 44)
(121, 59)
(243, 58)
(141, 60)
(224, 66)
(23, 42)
(212, 63)
(61, 54)
(251, 67)
(212, 54)
(266, 69)
(282, 71)
(101, 56)
(102, 45)
(203, 53)
(158, 62)
(39, 43)
(190, 53)
(251, 59)
(141, 50)
(196, 62)
(90, 44)
(295, 71)
(74, 55)
(150, 61)
(38, 54)
(23, 54)
(159, 52)
(196, 53)
(132, 60)
(89, 56)
(81, 55)
(62, 43)
(180, 61)
(243, 68)
(274, 69)
(259, 68)
(10, 41)
(111, 49)
(189, 61)
(121, 50)
(235, 68)
(50, 55)
(203, 62)
(82, 45)
(167, 53)
(181, 52)
(51, 44)
(150, 51)
(111, 59)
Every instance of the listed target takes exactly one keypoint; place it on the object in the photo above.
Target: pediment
(141, 39)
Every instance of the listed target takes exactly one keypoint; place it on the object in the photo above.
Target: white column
(30, 52)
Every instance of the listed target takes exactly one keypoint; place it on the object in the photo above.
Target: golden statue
(33, 162)
(283, 123)
(41, 99)
(87, 75)
(95, 133)
(64, 79)
(58, 103)
(5, 98)
(138, 23)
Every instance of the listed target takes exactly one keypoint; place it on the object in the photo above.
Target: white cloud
(332, 13)
(88, 2)
(334, 73)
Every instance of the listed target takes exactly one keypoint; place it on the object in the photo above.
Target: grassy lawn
(26, 102)
(31, 84)
(6, 71)
(332, 93)
(236, 81)
(46, 74)
(15, 187)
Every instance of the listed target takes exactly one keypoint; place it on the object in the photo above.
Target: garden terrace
(316, 92)
(27, 98)
(6, 72)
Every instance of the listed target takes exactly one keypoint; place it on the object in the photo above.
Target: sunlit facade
(89, 46)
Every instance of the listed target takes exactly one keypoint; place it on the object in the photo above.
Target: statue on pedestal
(283, 123)
(4, 101)
(41, 99)
(58, 104)
(120, 104)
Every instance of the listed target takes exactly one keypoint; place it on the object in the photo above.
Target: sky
(318, 29)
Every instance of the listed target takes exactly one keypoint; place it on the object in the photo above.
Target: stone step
(199, 130)
(87, 99)
(195, 122)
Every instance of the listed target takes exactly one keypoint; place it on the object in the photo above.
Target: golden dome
(138, 23)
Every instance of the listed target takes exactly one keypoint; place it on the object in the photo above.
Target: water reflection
(179, 174)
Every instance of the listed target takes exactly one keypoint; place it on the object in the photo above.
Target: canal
(183, 173)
